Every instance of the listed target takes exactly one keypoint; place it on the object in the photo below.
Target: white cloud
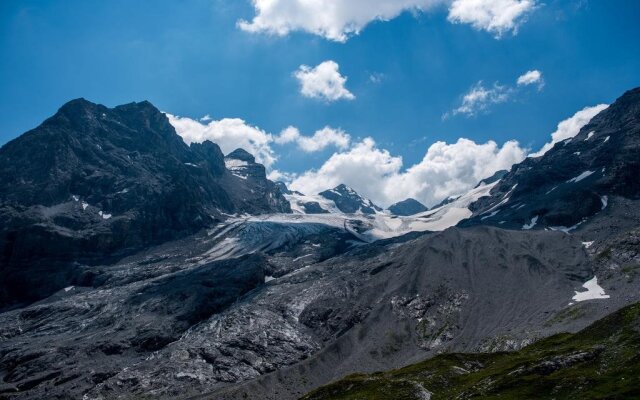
(479, 98)
(495, 16)
(323, 82)
(320, 140)
(229, 134)
(338, 20)
(531, 78)
(206, 118)
(335, 20)
(446, 169)
(233, 133)
(571, 127)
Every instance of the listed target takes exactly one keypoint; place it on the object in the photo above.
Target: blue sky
(190, 58)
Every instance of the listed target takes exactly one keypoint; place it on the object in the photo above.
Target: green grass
(600, 362)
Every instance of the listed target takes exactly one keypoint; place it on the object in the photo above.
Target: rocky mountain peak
(242, 155)
(575, 179)
(93, 182)
(349, 201)
(407, 207)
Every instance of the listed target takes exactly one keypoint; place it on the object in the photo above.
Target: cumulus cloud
(531, 78)
(229, 134)
(323, 82)
(570, 127)
(479, 98)
(320, 140)
(233, 133)
(445, 170)
(338, 20)
(495, 16)
(335, 20)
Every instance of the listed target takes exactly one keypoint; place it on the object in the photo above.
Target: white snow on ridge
(371, 227)
(297, 201)
(580, 177)
(594, 291)
(232, 163)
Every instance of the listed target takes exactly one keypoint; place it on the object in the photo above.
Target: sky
(396, 98)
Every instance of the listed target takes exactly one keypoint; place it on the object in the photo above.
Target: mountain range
(136, 266)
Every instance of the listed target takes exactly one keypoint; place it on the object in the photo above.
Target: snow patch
(104, 215)
(75, 198)
(594, 291)
(490, 215)
(268, 278)
(68, 288)
(530, 225)
(587, 244)
(605, 201)
(580, 177)
(85, 205)
(590, 135)
(606, 139)
(232, 163)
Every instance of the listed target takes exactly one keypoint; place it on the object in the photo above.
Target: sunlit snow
(594, 291)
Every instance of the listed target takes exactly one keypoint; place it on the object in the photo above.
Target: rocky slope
(93, 183)
(600, 361)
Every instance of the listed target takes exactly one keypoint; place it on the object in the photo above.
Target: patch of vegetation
(570, 313)
(604, 254)
(599, 362)
(631, 270)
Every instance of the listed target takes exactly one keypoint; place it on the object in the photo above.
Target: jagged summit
(349, 201)
(242, 155)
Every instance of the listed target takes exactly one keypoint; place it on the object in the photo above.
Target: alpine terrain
(134, 265)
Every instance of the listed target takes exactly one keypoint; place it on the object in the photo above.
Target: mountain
(261, 303)
(598, 360)
(93, 183)
(575, 180)
(407, 207)
(350, 202)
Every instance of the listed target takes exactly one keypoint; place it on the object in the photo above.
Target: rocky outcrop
(407, 207)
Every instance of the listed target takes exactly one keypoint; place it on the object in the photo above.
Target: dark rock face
(248, 186)
(493, 178)
(574, 180)
(93, 183)
(348, 201)
(407, 207)
(313, 207)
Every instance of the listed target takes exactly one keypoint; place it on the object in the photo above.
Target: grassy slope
(600, 362)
